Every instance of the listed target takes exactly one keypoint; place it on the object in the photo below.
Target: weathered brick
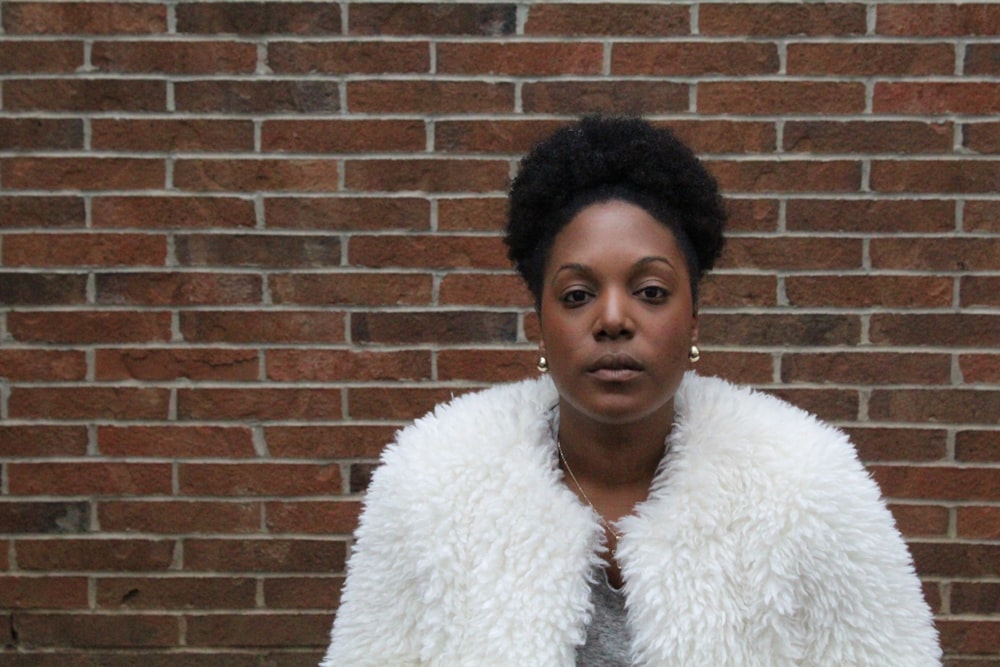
(638, 19)
(368, 288)
(302, 592)
(982, 216)
(177, 289)
(521, 58)
(103, 555)
(381, 57)
(618, 96)
(343, 136)
(935, 98)
(430, 251)
(258, 404)
(807, 19)
(478, 289)
(89, 478)
(89, 327)
(395, 403)
(869, 291)
(347, 365)
(346, 440)
(176, 441)
(981, 137)
(486, 365)
(835, 405)
(789, 175)
(982, 58)
(726, 136)
(434, 327)
(84, 95)
(41, 212)
(152, 364)
(920, 520)
(941, 329)
(30, 364)
(694, 58)
(121, 403)
(936, 254)
(259, 18)
(47, 440)
(37, 289)
(18, 592)
(173, 212)
(778, 330)
(978, 522)
(171, 135)
(792, 253)
(940, 19)
(310, 516)
(278, 630)
(278, 326)
(257, 556)
(430, 18)
(472, 214)
(83, 173)
(879, 59)
(742, 367)
(374, 96)
(40, 133)
(97, 630)
(732, 290)
(780, 97)
(867, 137)
(158, 593)
(347, 213)
(84, 18)
(45, 517)
(258, 250)
(490, 136)
(83, 250)
(253, 175)
(257, 96)
(899, 444)
(870, 215)
(38, 57)
(428, 174)
(866, 368)
(942, 559)
(175, 57)
(955, 406)
(980, 368)
(980, 291)
(179, 517)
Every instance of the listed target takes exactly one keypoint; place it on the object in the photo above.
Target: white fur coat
(763, 543)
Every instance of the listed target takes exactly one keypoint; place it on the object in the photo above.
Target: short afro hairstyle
(599, 159)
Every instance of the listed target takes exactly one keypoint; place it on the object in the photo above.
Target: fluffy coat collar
(763, 542)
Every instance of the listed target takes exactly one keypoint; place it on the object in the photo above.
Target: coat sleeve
(860, 601)
(377, 621)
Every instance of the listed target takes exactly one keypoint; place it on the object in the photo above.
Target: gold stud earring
(543, 364)
(695, 354)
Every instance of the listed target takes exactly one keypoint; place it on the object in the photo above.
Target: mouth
(615, 367)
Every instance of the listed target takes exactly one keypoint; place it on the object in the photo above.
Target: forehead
(612, 232)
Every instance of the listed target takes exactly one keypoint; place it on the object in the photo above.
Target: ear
(694, 326)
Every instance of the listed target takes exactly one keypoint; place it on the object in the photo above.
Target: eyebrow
(586, 270)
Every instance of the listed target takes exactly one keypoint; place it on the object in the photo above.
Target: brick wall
(241, 243)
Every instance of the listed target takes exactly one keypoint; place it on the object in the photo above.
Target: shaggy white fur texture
(763, 542)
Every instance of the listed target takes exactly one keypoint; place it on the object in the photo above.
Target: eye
(575, 297)
(652, 293)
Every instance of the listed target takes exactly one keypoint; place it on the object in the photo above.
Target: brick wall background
(242, 243)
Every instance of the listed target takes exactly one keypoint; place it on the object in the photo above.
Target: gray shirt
(608, 637)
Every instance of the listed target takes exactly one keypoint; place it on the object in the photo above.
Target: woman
(621, 510)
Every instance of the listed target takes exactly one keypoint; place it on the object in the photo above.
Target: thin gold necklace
(607, 524)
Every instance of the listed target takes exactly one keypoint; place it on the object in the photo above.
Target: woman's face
(616, 313)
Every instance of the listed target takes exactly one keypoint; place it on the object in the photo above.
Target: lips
(615, 367)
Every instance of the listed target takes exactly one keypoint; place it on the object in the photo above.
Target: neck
(614, 455)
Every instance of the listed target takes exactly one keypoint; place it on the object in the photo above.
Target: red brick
(278, 326)
(86, 478)
(41, 212)
(980, 368)
(89, 327)
(693, 58)
(302, 592)
(788, 175)
(868, 291)
(899, 444)
(441, 18)
(753, 215)
(42, 289)
(364, 289)
(936, 482)
(978, 522)
(159, 593)
(982, 58)
(980, 291)
(879, 59)
(259, 556)
(982, 216)
(259, 479)
(258, 18)
(43, 592)
(347, 213)
(97, 630)
(97, 555)
(84, 173)
(981, 137)
(935, 98)
(347, 365)
(792, 253)
(486, 365)
(176, 441)
(395, 403)
(472, 214)
(173, 212)
(866, 368)
(251, 175)
(639, 19)
(45, 517)
(147, 657)
(956, 559)
(89, 249)
(84, 18)
(867, 137)
(327, 442)
(179, 517)
(605, 96)
(521, 58)
(942, 19)
(429, 97)
(379, 57)
(325, 517)
(36, 365)
(161, 364)
(977, 446)
(729, 290)
(490, 136)
(38, 57)
(343, 136)
(726, 136)
(257, 96)
(970, 636)
(122, 403)
(955, 406)
(84, 95)
(258, 404)
(178, 289)
(434, 327)
(870, 215)
(936, 254)
(46, 440)
(973, 597)
(921, 520)
(808, 19)
(942, 329)
(258, 250)
(298, 629)
(780, 97)
(40, 133)
(741, 367)
(175, 57)
(428, 251)
(429, 174)
(778, 329)
(161, 135)
(829, 404)
(484, 289)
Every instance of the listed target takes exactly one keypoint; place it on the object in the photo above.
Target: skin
(617, 323)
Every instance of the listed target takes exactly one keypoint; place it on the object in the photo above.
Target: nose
(612, 316)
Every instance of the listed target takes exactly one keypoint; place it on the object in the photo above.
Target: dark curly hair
(599, 159)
